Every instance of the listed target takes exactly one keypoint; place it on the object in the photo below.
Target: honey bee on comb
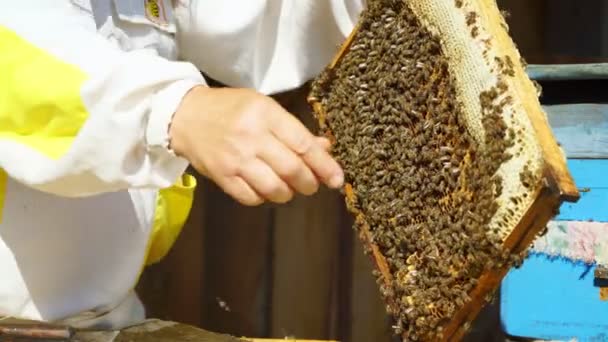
(444, 170)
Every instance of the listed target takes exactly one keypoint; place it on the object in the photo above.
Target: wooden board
(594, 199)
(573, 30)
(568, 307)
(531, 307)
(566, 72)
(527, 26)
(284, 340)
(306, 236)
(369, 319)
(581, 129)
(237, 267)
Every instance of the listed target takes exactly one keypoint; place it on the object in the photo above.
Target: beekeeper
(99, 121)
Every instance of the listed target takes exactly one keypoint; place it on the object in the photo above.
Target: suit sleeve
(78, 116)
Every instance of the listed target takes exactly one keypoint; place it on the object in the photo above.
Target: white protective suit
(89, 191)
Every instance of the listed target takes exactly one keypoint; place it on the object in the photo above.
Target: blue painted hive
(555, 294)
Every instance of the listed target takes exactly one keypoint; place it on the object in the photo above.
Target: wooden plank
(581, 129)
(559, 72)
(487, 325)
(527, 27)
(237, 266)
(592, 205)
(306, 261)
(370, 321)
(573, 29)
(186, 266)
(604, 32)
(168, 288)
(306, 289)
(568, 306)
(284, 340)
(589, 173)
(590, 176)
(342, 280)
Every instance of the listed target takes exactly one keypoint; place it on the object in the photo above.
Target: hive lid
(568, 72)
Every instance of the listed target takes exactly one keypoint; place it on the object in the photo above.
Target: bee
(471, 18)
(222, 304)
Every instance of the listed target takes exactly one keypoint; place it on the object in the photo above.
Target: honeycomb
(441, 161)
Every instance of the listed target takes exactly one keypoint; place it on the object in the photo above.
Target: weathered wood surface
(574, 29)
(560, 72)
(167, 331)
(527, 22)
(369, 320)
(147, 331)
(237, 266)
(581, 129)
(283, 340)
(306, 237)
(306, 292)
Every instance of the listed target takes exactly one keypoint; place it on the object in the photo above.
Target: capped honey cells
(425, 187)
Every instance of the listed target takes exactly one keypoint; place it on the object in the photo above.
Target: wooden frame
(556, 187)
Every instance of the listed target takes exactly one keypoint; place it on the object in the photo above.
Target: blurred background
(298, 269)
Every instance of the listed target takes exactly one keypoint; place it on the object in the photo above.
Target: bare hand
(250, 146)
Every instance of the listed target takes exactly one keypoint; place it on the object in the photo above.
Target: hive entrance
(422, 178)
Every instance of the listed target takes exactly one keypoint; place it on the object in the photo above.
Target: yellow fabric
(40, 102)
(172, 209)
(3, 179)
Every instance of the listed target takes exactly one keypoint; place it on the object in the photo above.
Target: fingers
(292, 133)
(238, 189)
(266, 182)
(289, 166)
(273, 177)
(295, 136)
(323, 142)
(324, 166)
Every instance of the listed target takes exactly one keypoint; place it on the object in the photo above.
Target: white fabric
(74, 230)
(271, 46)
(110, 151)
(61, 256)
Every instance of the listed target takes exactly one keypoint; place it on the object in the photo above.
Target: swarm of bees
(427, 189)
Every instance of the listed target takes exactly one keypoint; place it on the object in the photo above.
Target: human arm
(81, 117)
(270, 47)
(250, 146)
(78, 116)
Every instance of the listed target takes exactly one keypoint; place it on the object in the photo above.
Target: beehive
(451, 167)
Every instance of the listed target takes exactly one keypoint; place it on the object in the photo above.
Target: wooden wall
(298, 269)
(271, 271)
(559, 31)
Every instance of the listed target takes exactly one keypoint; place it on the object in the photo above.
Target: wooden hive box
(407, 70)
(556, 294)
